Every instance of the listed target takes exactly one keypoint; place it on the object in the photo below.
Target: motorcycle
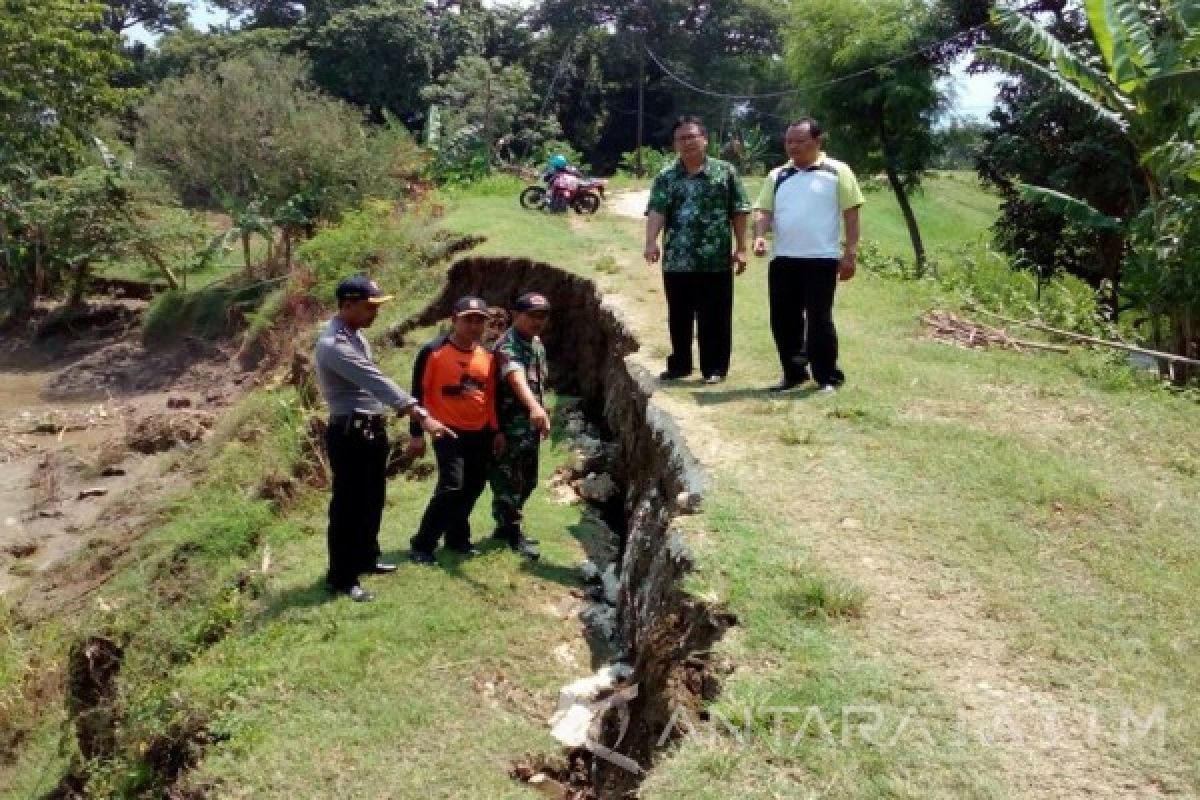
(565, 190)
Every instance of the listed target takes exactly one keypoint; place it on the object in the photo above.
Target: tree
(1147, 87)
(253, 128)
(376, 56)
(57, 66)
(878, 119)
(494, 105)
(270, 13)
(189, 50)
(959, 144)
(101, 213)
(1045, 137)
(254, 134)
(154, 15)
(723, 45)
(58, 61)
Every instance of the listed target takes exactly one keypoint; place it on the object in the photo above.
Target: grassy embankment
(433, 688)
(1015, 509)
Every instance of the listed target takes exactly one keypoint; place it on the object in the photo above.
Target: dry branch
(952, 329)
(1079, 337)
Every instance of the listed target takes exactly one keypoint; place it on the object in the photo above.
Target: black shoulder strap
(783, 175)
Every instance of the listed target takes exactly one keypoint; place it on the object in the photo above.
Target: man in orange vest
(455, 379)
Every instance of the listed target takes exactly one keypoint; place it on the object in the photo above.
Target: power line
(562, 64)
(800, 90)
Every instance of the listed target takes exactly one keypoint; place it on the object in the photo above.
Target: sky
(973, 94)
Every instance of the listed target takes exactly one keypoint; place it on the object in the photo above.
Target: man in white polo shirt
(809, 202)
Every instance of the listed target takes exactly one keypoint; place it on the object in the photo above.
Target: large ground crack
(663, 633)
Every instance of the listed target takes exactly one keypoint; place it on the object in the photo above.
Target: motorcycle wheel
(586, 203)
(533, 198)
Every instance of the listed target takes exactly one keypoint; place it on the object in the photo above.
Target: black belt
(358, 419)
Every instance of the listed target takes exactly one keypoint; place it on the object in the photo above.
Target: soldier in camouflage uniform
(523, 422)
(696, 200)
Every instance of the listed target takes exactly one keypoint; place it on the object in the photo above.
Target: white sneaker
(827, 389)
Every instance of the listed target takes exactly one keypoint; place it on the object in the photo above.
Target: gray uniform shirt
(349, 379)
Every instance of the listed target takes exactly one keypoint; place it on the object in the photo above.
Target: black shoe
(671, 375)
(470, 551)
(713, 380)
(357, 593)
(421, 557)
(783, 385)
(382, 568)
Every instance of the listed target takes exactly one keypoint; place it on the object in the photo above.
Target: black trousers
(462, 473)
(358, 459)
(700, 302)
(801, 297)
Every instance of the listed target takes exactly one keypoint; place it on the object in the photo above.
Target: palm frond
(1042, 45)
(1073, 209)
(1139, 40)
(1021, 65)
(1179, 84)
(1174, 160)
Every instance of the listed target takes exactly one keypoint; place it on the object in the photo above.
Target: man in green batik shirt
(696, 200)
(521, 382)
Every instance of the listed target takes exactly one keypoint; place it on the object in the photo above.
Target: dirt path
(932, 621)
(630, 203)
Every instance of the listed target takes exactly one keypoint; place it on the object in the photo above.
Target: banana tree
(1146, 84)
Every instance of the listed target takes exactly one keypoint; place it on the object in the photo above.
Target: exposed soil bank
(661, 631)
(86, 415)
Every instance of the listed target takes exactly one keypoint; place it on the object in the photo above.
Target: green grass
(951, 211)
(1055, 491)
(1043, 504)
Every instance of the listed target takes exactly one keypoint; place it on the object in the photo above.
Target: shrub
(652, 161)
(205, 313)
(1064, 301)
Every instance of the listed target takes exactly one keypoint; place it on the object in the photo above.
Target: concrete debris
(574, 715)
(548, 786)
(688, 502)
(597, 487)
(611, 584)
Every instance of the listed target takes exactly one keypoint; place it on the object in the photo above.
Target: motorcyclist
(556, 169)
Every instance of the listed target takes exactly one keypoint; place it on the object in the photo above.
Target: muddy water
(41, 522)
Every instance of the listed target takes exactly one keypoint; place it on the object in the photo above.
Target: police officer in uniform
(356, 440)
(522, 419)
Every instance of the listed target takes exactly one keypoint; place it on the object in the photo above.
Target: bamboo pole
(1079, 337)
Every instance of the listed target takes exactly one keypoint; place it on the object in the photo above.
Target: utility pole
(487, 116)
(641, 109)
